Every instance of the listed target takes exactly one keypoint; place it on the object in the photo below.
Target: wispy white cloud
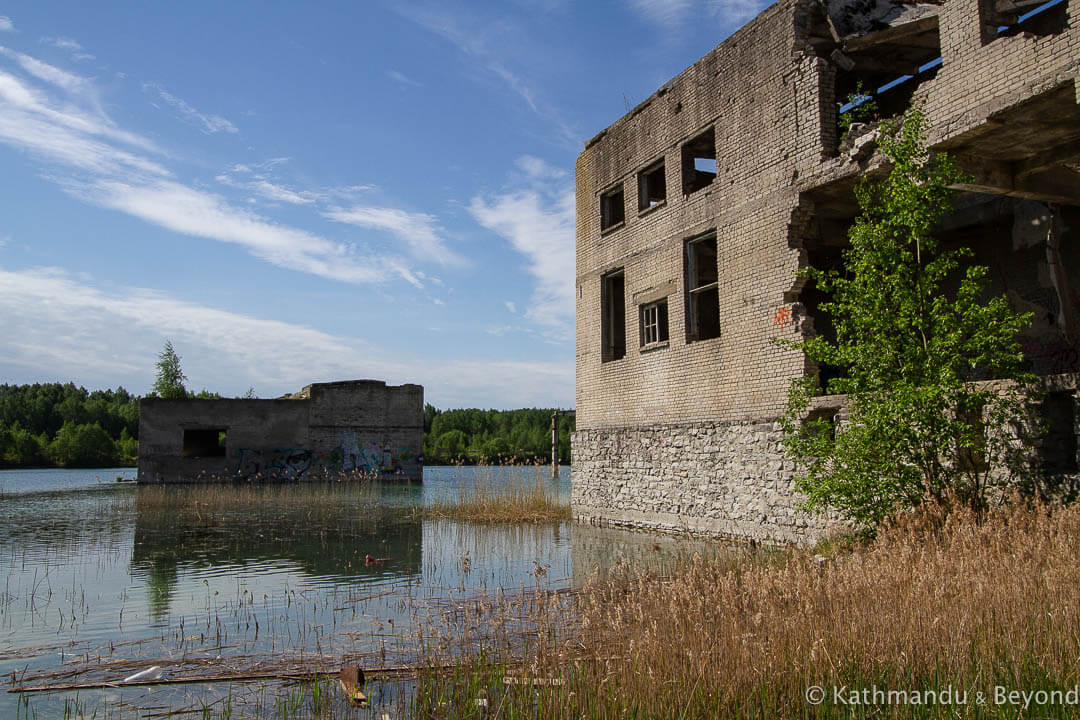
(63, 132)
(88, 159)
(511, 306)
(209, 124)
(417, 230)
(735, 12)
(539, 170)
(186, 210)
(402, 79)
(538, 222)
(70, 82)
(270, 190)
(65, 43)
(62, 327)
(673, 15)
(259, 179)
(667, 13)
(484, 42)
(6, 25)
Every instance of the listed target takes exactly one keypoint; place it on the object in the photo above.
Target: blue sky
(298, 192)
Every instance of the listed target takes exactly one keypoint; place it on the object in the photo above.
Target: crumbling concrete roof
(859, 17)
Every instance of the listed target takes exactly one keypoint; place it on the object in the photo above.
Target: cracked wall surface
(1001, 101)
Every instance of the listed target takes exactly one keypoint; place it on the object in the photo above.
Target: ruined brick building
(358, 425)
(696, 210)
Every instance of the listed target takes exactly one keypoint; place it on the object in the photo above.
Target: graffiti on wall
(282, 463)
(782, 317)
(348, 456)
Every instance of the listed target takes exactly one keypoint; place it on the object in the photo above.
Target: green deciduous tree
(170, 378)
(913, 329)
(86, 445)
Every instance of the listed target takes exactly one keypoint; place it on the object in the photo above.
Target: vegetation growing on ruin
(169, 383)
(913, 329)
(861, 107)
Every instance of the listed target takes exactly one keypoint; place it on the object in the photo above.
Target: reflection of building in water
(360, 425)
(323, 536)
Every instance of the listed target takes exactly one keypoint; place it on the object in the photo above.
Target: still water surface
(105, 579)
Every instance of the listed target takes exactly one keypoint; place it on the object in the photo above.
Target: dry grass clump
(933, 603)
(231, 496)
(502, 496)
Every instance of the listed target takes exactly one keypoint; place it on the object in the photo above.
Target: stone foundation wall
(726, 479)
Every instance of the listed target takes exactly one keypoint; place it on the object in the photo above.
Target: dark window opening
(1057, 447)
(699, 162)
(820, 424)
(654, 323)
(613, 316)
(1002, 18)
(204, 442)
(702, 294)
(652, 186)
(612, 208)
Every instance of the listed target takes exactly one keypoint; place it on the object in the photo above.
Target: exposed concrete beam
(1015, 6)
(1055, 184)
(1044, 160)
(892, 34)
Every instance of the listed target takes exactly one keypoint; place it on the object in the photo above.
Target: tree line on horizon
(471, 435)
(61, 425)
(64, 425)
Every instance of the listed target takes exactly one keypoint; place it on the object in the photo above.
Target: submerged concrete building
(359, 425)
(696, 210)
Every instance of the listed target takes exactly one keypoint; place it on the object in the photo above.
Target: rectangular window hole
(652, 186)
(1057, 448)
(1005, 18)
(612, 208)
(820, 423)
(654, 323)
(613, 316)
(204, 442)
(699, 162)
(702, 293)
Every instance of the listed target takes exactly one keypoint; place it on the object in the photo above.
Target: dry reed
(933, 604)
(499, 495)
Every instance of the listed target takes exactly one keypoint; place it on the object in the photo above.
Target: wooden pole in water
(555, 446)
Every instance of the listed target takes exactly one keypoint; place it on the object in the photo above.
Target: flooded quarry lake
(229, 596)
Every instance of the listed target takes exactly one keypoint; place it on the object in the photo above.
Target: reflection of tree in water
(160, 584)
(324, 530)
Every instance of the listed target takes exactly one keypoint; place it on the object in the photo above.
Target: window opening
(654, 323)
(1005, 18)
(613, 316)
(204, 442)
(652, 186)
(699, 162)
(612, 208)
(702, 295)
(1057, 449)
